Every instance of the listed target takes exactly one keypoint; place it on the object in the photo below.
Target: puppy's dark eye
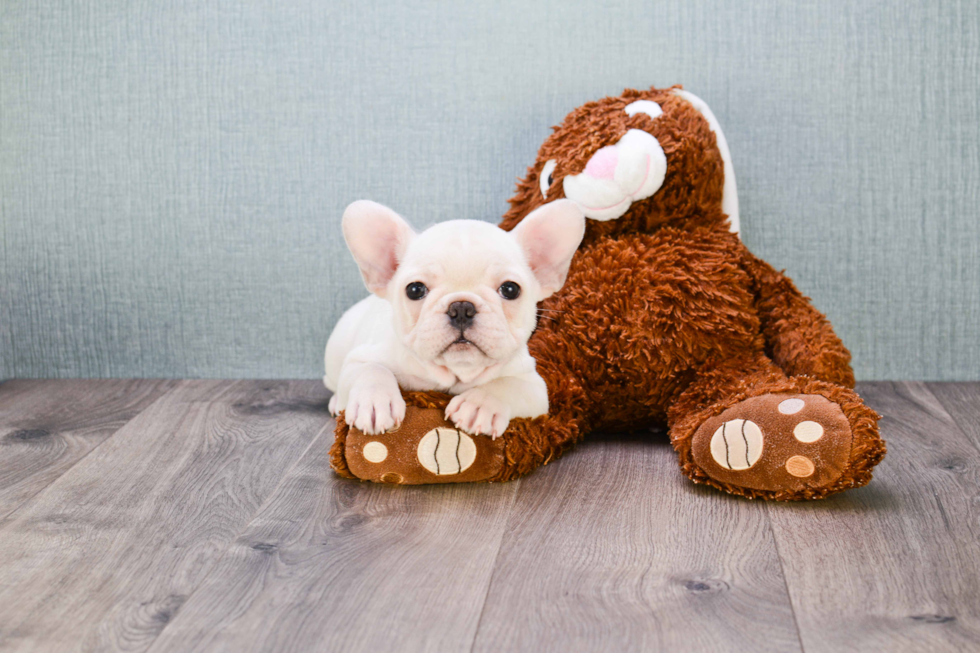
(509, 290)
(416, 290)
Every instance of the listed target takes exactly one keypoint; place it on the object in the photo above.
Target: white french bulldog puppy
(452, 310)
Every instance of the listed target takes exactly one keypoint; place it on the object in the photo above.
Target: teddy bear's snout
(618, 175)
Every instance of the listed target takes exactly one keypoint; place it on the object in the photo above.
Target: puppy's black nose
(461, 314)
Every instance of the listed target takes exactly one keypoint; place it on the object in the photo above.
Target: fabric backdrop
(172, 174)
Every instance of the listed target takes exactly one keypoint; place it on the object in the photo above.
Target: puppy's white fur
(389, 340)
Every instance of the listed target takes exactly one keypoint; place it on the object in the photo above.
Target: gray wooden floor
(202, 515)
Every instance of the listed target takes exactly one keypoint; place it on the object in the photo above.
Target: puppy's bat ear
(549, 236)
(377, 237)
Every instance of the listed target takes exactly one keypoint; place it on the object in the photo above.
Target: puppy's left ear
(377, 237)
(549, 236)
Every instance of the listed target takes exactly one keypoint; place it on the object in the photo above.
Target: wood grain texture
(962, 402)
(612, 549)
(48, 426)
(341, 565)
(894, 566)
(105, 556)
(211, 521)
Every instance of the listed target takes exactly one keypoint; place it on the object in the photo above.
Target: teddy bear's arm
(799, 338)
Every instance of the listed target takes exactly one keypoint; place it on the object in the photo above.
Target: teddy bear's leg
(798, 336)
(428, 449)
(747, 428)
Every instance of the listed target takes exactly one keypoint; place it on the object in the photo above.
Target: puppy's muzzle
(461, 315)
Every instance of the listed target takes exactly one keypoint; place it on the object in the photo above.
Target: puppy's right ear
(377, 237)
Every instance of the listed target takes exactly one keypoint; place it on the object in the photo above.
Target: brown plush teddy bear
(665, 317)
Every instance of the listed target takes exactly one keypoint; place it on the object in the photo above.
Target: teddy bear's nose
(461, 314)
(602, 165)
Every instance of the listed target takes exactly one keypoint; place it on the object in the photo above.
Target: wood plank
(336, 564)
(106, 555)
(47, 426)
(894, 566)
(612, 549)
(962, 402)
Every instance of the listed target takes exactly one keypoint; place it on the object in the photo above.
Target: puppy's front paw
(479, 412)
(374, 409)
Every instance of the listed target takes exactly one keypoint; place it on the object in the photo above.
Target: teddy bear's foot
(776, 442)
(424, 449)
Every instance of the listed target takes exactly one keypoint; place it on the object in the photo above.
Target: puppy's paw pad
(775, 442)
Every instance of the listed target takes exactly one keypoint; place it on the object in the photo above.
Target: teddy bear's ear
(549, 236)
(377, 237)
(729, 198)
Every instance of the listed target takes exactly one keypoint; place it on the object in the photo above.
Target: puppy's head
(464, 292)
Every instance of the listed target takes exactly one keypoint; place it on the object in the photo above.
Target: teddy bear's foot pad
(775, 442)
(424, 449)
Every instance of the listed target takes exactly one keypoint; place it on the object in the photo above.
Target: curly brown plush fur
(666, 317)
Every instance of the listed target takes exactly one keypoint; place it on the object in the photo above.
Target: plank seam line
(232, 540)
(493, 571)
(4, 518)
(782, 572)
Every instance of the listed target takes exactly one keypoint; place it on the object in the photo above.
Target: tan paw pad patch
(791, 406)
(808, 431)
(375, 452)
(800, 466)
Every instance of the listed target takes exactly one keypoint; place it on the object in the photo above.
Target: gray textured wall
(172, 174)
